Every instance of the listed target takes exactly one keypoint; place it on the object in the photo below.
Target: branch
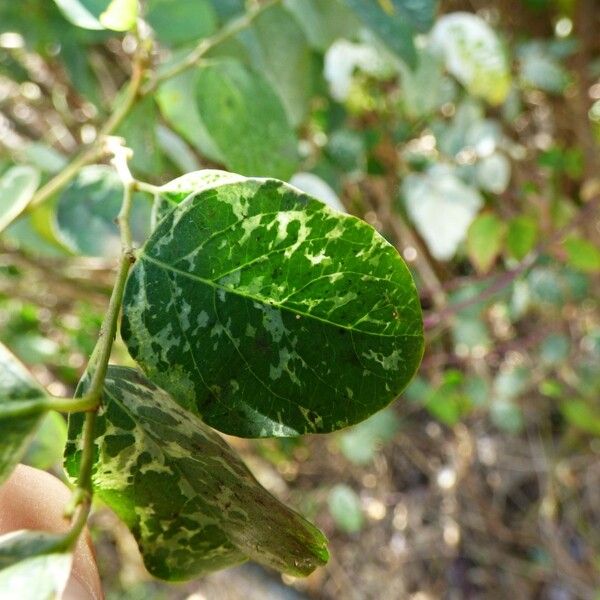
(228, 31)
(98, 363)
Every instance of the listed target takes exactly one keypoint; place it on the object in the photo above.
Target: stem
(207, 44)
(98, 363)
(27, 408)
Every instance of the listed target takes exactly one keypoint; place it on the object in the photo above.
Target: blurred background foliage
(467, 133)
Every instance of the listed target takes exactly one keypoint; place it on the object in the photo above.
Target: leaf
(233, 116)
(395, 22)
(78, 13)
(324, 22)
(314, 186)
(344, 506)
(360, 443)
(87, 209)
(473, 54)
(580, 414)
(120, 15)
(277, 48)
(17, 187)
(46, 448)
(176, 149)
(484, 241)
(582, 254)
(17, 389)
(139, 129)
(442, 207)
(20, 545)
(189, 500)
(43, 576)
(181, 22)
(448, 402)
(270, 315)
(522, 236)
(493, 173)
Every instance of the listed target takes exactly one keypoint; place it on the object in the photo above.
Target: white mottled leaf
(189, 500)
(269, 314)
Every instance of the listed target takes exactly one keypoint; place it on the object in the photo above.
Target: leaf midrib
(262, 300)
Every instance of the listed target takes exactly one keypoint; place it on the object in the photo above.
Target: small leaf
(344, 506)
(269, 314)
(17, 187)
(189, 500)
(316, 187)
(582, 254)
(448, 402)
(185, 22)
(395, 22)
(580, 414)
(484, 241)
(17, 389)
(42, 577)
(78, 13)
(46, 448)
(473, 54)
(20, 545)
(87, 209)
(493, 173)
(522, 236)
(120, 15)
(442, 207)
(360, 443)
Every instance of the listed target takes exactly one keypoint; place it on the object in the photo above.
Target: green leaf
(324, 22)
(582, 254)
(522, 236)
(139, 129)
(474, 54)
(80, 13)
(32, 567)
(484, 241)
(580, 414)
(120, 15)
(246, 120)
(277, 48)
(18, 390)
(394, 22)
(233, 116)
(20, 545)
(360, 443)
(46, 448)
(189, 500)
(181, 22)
(271, 315)
(344, 506)
(448, 402)
(87, 209)
(17, 187)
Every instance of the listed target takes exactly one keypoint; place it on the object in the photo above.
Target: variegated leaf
(18, 390)
(269, 314)
(191, 503)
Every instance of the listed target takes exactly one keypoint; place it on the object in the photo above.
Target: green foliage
(252, 307)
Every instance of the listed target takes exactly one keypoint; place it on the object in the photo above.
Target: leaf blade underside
(189, 500)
